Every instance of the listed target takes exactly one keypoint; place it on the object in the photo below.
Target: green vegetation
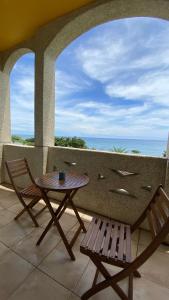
(164, 153)
(70, 142)
(73, 142)
(119, 150)
(59, 141)
(135, 151)
(17, 139)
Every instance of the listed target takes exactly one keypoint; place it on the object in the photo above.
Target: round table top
(50, 181)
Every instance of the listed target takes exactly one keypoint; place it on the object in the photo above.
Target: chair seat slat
(121, 242)
(88, 234)
(107, 239)
(31, 190)
(98, 246)
(114, 238)
(94, 234)
(128, 244)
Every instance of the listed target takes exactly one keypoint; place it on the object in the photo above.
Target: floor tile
(35, 254)
(73, 297)
(156, 268)
(147, 290)
(60, 267)
(13, 270)
(7, 198)
(146, 238)
(20, 280)
(39, 286)
(86, 280)
(6, 217)
(3, 249)
(15, 231)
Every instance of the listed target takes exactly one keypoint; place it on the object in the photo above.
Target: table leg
(56, 222)
(77, 215)
(59, 210)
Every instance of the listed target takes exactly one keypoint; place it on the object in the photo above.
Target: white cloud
(153, 86)
(127, 62)
(67, 84)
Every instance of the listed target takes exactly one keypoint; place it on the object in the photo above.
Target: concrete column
(44, 100)
(44, 107)
(5, 123)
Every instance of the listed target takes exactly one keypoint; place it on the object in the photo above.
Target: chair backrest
(157, 213)
(17, 168)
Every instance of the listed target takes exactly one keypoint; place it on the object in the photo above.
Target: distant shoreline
(141, 146)
(93, 137)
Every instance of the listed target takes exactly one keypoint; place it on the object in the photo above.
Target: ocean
(146, 147)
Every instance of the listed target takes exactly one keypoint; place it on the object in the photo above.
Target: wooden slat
(162, 211)
(128, 244)
(159, 215)
(88, 234)
(101, 237)
(156, 217)
(31, 190)
(107, 239)
(94, 234)
(114, 237)
(22, 168)
(121, 243)
(151, 223)
(20, 174)
(166, 204)
(15, 165)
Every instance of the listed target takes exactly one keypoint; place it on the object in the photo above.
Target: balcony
(31, 272)
(28, 272)
(120, 185)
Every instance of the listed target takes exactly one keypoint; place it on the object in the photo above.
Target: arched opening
(22, 99)
(112, 82)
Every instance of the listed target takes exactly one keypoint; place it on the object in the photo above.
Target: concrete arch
(103, 11)
(13, 58)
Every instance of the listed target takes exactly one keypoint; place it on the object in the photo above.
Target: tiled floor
(28, 272)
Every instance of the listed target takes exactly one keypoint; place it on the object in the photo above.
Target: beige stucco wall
(96, 197)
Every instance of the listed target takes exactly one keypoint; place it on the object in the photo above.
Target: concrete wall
(97, 197)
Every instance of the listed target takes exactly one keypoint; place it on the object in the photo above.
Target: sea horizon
(153, 147)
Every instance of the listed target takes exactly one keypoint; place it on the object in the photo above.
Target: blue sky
(112, 81)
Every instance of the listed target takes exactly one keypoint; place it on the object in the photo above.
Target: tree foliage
(73, 142)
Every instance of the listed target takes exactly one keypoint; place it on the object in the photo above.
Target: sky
(112, 81)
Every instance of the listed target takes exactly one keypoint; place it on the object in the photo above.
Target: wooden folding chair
(108, 241)
(17, 168)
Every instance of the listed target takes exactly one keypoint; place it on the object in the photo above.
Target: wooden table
(72, 183)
